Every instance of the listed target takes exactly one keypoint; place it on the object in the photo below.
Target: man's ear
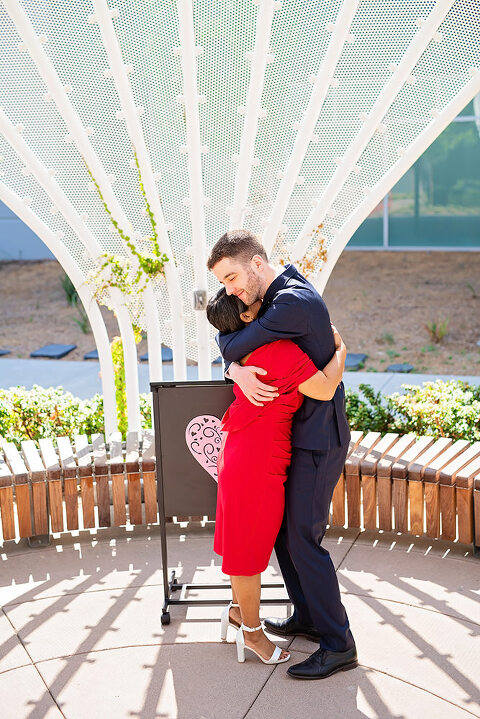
(258, 263)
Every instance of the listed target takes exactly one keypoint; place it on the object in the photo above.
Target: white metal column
(196, 199)
(18, 206)
(78, 134)
(132, 114)
(85, 236)
(252, 111)
(321, 83)
(412, 153)
(372, 122)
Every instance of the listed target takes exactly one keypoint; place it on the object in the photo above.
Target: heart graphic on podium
(204, 439)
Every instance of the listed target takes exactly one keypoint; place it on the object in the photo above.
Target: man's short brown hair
(236, 243)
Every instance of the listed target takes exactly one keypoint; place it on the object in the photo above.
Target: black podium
(186, 420)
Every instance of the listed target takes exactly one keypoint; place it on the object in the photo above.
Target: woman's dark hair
(223, 311)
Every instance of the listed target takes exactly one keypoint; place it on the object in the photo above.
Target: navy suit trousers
(306, 566)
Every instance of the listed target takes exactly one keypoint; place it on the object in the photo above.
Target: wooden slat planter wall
(64, 485)
(6, 501)
(408, 484)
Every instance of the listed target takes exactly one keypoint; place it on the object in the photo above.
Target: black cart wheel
(165, 618)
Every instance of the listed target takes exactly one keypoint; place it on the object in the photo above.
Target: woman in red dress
(253, 464)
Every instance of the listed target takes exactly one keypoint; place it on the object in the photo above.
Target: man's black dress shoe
(290, 628)
(323, 663)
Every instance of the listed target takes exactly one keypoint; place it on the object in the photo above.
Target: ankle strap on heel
(251, 629)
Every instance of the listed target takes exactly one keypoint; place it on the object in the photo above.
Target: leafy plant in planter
(374, 414)
(439, 409)
(40, 412)
(450, 409)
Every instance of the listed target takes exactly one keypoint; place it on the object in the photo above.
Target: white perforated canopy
(279, 117)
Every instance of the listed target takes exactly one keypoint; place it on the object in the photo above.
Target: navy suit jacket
(293, 309)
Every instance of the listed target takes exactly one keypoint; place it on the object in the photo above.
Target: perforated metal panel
(435, 43)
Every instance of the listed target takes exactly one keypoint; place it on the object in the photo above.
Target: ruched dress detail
(254, 459)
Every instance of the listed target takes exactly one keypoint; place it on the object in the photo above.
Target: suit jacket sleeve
(285, 318)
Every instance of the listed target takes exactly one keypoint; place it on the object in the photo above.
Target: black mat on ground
(53, 351)
(404, 367)
(167, 355)
(91, 355)
(354, 361)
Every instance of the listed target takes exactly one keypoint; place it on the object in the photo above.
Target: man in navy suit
(292, 309)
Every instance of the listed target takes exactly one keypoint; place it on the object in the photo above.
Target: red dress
(254, 459)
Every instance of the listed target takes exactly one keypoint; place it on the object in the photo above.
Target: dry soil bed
(380, 301)
(384, 301)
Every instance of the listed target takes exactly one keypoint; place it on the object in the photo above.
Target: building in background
(436, 205)
(17, 241)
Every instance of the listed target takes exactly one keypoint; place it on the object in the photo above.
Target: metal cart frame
(170, 584)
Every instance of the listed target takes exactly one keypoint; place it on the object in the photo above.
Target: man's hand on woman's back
(256, 391)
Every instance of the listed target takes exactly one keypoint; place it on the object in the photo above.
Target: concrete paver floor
(81, 638)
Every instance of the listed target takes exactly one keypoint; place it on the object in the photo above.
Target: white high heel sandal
(241, 646)
(225, 621)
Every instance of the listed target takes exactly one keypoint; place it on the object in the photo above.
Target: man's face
(242, 279)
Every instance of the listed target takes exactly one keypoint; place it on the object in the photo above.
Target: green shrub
(70, 291)
(437, 330)
(450, 409)
(370, 414)
(52, 412)
(146, 410)
(440, 409)
(39, 412)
